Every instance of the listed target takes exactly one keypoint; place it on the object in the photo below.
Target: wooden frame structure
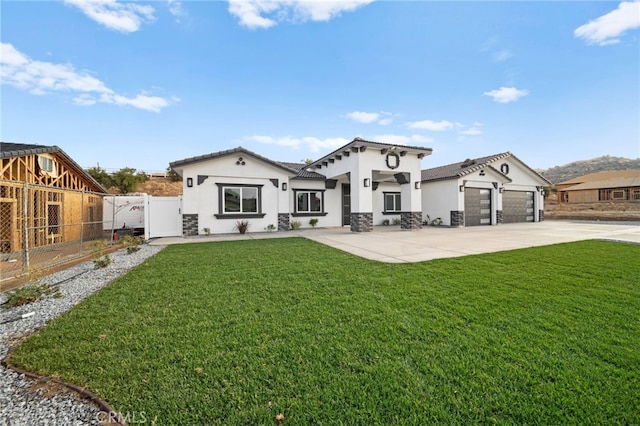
(46, 196)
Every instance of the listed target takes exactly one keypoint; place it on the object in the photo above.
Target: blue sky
(146, 83)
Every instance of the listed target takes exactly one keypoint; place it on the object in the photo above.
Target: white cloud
(474, 130)
(313, 143)
(123, 17)
(435, 126)
(176, 9)
(504, 95)
(40, 78)
(251, 13)
(606, 29)
(401, 139)
(385, 121)
(363, 117)
(502, 55)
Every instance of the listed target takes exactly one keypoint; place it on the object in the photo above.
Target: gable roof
(303, 172)
(626, 180)
(468, 166)
(220, 154)
(359, 142)
(602, 176)
(10, 150)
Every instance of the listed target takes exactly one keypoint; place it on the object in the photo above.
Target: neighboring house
(359, 185)
(483, 191)
(609, 186)
(42, 192)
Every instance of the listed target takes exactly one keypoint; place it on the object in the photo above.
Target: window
(236, 201)
(45, 164)
(309, 202)
(392, 202)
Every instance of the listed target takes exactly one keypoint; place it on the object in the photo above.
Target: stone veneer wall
(284, 222)
(411, 220)
(499, 216)
(189, 224)
(457, 218)
(540, 215)
(361, 222)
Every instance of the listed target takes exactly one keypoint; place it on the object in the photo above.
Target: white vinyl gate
(164, 217)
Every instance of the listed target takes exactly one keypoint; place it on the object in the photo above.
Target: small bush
(102, 262)
(242, 226)
(31, 293)
(132, 249)
(386, 222)
(207, 231)
(295, 225)
(313, 222)
(270, 228)
(397, 221)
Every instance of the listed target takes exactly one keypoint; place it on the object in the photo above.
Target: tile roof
(10, 150)
(602, 176)
(615, 182)
(238, 150)
(303, 172)
(468, 166)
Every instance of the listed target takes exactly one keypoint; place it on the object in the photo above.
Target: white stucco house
(361, 184)
(483, 191)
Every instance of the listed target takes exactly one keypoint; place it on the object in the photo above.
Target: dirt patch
(593, 211)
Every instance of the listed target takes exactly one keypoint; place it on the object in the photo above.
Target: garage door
(477, 206)
(517, 206)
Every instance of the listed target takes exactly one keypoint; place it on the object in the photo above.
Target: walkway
(390, 244)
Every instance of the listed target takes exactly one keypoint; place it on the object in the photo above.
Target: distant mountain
(579, 168)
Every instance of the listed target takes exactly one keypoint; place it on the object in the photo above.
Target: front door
(346, 204)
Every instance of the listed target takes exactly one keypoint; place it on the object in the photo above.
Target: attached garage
(518, 206)
(477, 206)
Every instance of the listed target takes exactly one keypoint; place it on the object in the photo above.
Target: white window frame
(222, 206)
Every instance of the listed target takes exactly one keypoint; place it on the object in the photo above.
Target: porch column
(411, 195)
(361, 200)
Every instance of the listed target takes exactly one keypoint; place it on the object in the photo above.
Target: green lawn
(238, 332)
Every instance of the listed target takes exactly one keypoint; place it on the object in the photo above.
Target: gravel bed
(24, 401)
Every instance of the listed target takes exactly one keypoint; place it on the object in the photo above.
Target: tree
(307, 161)
(101, 176)
(126, 179)
(172, 175)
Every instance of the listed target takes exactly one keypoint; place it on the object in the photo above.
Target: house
(357, 185)
(483, 191)
(46, 198)
(608, 186)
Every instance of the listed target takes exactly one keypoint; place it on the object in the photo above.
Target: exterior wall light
(461, 188)
(367, 182)
(284, 186)
(417, 184)
(189, 182)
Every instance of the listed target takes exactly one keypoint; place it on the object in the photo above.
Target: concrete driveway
(390, 244)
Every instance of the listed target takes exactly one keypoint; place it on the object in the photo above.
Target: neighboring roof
(617, 182)
(358, 142)
(468, 166)
(238, 150)
(303, 172)
(10, 150)
(602, 176)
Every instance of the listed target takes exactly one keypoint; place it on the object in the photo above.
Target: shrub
(295, 225)
(207, 231)
(313, 222)
(270, 228)
(133, 249)
(386, 222)
(102, 262)
(397, 221)
(31, 293)
(242, 226)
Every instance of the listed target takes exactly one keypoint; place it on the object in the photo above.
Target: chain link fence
(41, 226)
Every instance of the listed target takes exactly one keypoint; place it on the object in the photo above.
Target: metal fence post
(25, 235)
(81, 221)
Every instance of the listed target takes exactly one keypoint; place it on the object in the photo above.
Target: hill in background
(579, 168)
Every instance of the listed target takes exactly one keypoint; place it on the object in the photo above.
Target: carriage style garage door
(517, 206)
(477, 206)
